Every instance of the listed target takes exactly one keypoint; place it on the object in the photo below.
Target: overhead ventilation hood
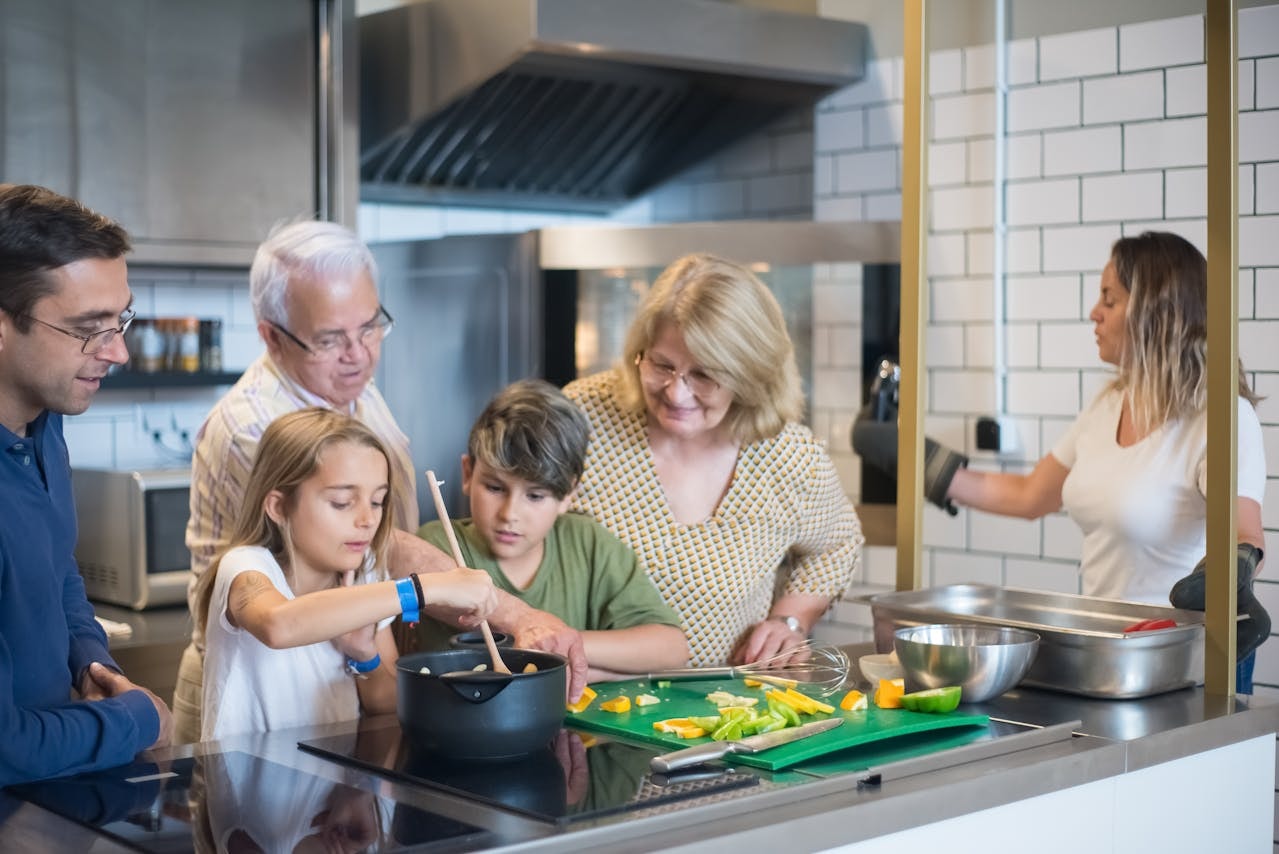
(577, 104)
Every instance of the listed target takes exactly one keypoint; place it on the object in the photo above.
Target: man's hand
(535, 629)
(107, 683)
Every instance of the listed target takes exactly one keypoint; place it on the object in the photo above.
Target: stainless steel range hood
(577, 104)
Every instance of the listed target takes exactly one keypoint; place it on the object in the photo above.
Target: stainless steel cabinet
(192, 123)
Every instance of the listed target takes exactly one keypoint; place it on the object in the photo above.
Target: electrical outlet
(996, 434)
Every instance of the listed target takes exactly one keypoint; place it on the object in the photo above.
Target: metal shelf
(167, 379)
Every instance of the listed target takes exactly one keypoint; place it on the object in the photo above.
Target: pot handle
(476, 686)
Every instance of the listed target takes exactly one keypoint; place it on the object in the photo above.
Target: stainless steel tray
(1082, 648)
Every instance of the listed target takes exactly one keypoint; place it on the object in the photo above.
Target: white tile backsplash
(962, 207)
(1077, 248)
(871, 170)
(1168, 143)
(1042, 202)
(1083, 151)
(1127, 97)
(1133, 195)
(1083, 54)
(883, 125)
(957, 116)
(1051, 105)
(1042, 298)
(1259, 31)
(841, 130)
(1187, 90)
(1267, 83)
(1155, 44)
(1259, 136)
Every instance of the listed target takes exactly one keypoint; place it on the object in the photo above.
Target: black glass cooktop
(577, 776)
(237, 802)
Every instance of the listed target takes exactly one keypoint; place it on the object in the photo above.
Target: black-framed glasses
(331, 344)
(96, 342)
(660, 375)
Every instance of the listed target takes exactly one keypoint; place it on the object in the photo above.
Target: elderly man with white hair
(315, 299)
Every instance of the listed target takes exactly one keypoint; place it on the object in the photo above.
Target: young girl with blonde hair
(296, 612)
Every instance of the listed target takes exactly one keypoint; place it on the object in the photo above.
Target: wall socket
(996, 434)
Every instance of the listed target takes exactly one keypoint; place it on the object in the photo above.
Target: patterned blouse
(785, 514)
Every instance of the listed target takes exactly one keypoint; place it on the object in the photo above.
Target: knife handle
(691, 756)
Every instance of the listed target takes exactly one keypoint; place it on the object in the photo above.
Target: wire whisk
(820, 667)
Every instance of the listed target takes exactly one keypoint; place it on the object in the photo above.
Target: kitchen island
(1178, 771)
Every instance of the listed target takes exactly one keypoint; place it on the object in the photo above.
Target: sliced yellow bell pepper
(889, 693)
(854, 701)
(681, 727)
(588, 696)
(617, 704)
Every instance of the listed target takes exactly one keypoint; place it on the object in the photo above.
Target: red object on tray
(1151, 625)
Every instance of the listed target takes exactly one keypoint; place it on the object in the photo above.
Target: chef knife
(669, 762)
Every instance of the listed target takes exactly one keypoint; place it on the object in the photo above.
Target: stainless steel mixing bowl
(985, 661)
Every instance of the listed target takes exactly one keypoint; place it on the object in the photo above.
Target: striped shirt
(785, 514)
(228, 442)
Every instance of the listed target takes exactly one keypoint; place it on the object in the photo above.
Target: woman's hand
(767, 639)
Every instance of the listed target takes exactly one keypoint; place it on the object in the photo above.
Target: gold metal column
(1222, 53)
(914, 293)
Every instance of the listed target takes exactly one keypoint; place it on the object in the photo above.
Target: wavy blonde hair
(735, 330)
(291, 452)
(1162, 367)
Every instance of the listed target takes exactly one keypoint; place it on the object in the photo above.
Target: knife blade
(689, 756)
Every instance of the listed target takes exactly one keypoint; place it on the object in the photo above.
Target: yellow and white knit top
(784, 525)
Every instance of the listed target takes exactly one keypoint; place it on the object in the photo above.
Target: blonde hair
(735, 330)
(290, 453)
(1162, 365)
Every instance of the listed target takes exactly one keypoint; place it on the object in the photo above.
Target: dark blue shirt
(47, 632)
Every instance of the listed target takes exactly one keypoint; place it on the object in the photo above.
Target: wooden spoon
(499, 666)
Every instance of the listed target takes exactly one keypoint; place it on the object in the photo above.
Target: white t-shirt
(1142, 509)
(249, 687)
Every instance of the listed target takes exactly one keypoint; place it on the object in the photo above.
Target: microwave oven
(132, 544)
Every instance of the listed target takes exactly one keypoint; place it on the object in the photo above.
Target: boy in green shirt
(524, 458)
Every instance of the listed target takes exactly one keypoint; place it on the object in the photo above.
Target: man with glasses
(65, 707)
(314, 293)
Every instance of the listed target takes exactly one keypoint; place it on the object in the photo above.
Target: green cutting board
(683, 698)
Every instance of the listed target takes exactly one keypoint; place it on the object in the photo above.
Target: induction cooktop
(234, 801)
(576, 776)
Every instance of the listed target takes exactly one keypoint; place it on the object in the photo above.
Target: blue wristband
(359, 668)
(408, 599)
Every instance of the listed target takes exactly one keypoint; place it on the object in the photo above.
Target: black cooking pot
(458, 711)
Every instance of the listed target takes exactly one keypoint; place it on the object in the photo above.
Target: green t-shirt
(588, 578)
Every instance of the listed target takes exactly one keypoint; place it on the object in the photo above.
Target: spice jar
(147, 348)
(211, 345)
(187, 333)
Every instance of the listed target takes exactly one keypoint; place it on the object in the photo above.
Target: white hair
(302, 249)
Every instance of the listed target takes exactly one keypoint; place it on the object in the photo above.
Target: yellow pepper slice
(617, 704)
(588, 696)
(889, 693)
(854, 701)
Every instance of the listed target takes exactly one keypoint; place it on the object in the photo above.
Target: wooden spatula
(499, 666)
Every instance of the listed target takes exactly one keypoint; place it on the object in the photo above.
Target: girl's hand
(358, 645)
(470, 592)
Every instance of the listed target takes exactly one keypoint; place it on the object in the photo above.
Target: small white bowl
(882, 666)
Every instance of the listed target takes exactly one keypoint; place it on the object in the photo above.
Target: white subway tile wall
(1106, 137)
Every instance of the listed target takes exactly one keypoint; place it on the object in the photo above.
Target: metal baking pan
(1082, 648)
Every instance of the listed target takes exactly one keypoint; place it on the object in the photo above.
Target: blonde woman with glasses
(699, 463)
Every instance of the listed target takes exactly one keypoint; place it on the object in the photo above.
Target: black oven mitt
(876, 442)
(1189, 593)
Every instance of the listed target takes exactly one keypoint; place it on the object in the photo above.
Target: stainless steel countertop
(1118, 736)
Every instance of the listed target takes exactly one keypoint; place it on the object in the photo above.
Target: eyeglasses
(659, 376)
(98, 341)
(332, 344)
